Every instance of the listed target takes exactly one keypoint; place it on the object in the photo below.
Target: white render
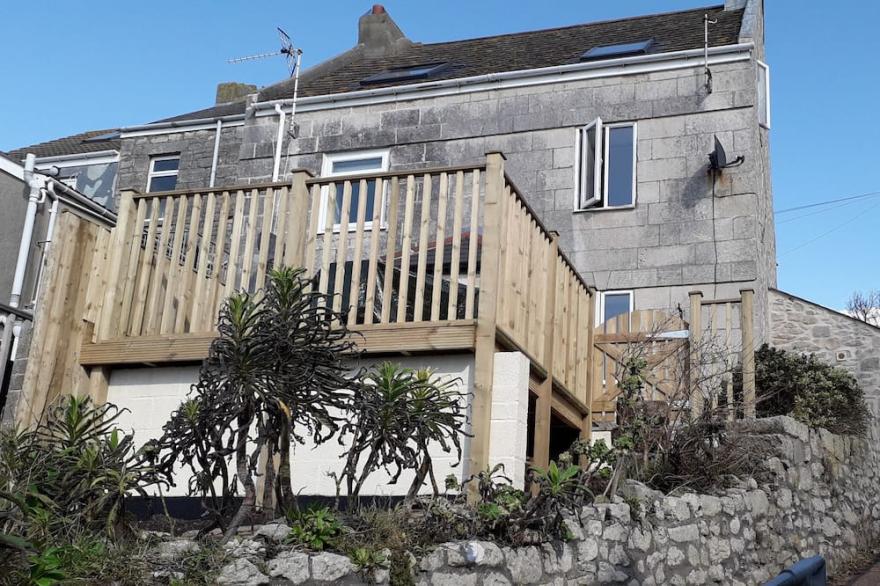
(150, 395)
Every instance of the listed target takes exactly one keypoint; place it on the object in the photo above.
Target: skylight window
(406, 73)
(618, 50)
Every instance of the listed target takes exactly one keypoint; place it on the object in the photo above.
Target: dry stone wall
(803, 326)
(817, 494)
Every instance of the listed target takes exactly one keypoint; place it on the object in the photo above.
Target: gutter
(518, 78)
(522, 74)
(79, 156)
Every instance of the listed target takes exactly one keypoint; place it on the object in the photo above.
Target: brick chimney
(378, 34)
(230, 91)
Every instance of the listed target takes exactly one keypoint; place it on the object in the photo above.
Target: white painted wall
(151, 394)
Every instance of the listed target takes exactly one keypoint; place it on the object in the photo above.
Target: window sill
(604, 209)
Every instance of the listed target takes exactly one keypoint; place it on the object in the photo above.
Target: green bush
(811, 391)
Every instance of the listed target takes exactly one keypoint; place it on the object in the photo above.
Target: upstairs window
(763, 87)
(613, 303)
(605, 171)
(350, 165)
(163, 173)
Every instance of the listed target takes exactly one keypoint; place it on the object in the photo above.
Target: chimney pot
(378, 9)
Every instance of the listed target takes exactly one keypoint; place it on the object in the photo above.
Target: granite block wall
(687, 228)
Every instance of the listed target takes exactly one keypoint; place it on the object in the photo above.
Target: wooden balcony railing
(456, 246)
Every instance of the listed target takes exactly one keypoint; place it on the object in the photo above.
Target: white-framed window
(763, 87)
(605, 166)
(163, 173)
(350, 164)
(613, 303)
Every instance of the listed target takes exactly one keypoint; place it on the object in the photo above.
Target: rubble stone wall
(817, 495)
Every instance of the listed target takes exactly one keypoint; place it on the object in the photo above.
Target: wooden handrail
(206, 190)
(416, 171)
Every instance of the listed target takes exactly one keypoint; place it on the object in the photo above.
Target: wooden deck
(422, 261)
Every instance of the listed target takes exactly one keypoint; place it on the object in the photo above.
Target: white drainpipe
(216, 153)
(281, 119)
(34, 199)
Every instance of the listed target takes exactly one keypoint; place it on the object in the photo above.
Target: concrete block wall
(799, 325)
(686, 230)
(508, 431)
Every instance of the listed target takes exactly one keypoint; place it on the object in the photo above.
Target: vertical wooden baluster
(312, 236)
(375, 232)
(167, 324)
(145, 272)
(233, 264)
(405, 248)
(250, 241)
(130, 284)
(265, 238)
(356, 260)
(390, 252)
(455, 256)
(424, 225)
(184, 292)
(215, 296)
(523, 310)
(161, 275)
(695, 338)
(473, 242)
(282, 234)
(342, 247)
(728, 359)
(300, 232)
(327, 239)
(747, 297)
(505, 206)
(439, 247)
(197, 307)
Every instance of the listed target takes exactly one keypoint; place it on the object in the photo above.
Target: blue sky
(74, 66)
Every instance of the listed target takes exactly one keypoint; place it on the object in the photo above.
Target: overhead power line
(828, 202)
(858, 216)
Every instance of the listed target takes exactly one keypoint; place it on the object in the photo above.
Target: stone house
(605, 131)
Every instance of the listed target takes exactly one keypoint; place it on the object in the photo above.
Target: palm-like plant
(276, 372)
(396, 417)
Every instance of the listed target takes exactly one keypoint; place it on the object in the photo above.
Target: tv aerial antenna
(291, 53)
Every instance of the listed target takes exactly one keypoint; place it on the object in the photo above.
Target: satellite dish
(718, 158)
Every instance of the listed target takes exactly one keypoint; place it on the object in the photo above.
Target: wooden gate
(657, 337)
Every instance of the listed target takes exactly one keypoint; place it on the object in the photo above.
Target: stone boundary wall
(817, 494)
(800, 325)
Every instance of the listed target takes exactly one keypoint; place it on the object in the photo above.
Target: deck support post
(484, 345)
(747, 297)
(541, 456)
(695, 336)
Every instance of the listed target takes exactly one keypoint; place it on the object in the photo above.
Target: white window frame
(600, 306)
(766, 68)
(600, 163)
(327, 172)
(152, 173)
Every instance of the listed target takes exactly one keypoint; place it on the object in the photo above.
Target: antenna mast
(706, 23)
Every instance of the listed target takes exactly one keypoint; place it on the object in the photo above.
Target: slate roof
(69, 145)
(671, 31)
